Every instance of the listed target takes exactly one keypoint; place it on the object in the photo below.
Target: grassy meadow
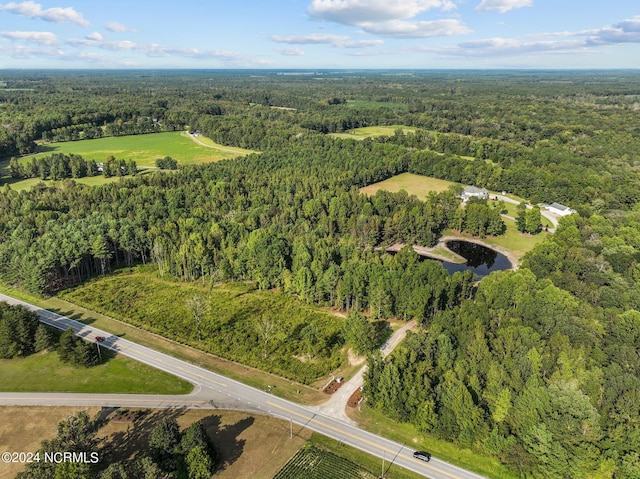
(145, 149)
(372, 132)
(261, 329)
(417, 185)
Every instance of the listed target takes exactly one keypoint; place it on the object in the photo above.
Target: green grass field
(145, 149)
(372, 132)
(417, 185)
(232, 329)
(44, 372)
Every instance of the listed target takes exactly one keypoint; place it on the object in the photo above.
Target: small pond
(480, 259)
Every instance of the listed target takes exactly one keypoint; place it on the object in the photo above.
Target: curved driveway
(216, 391)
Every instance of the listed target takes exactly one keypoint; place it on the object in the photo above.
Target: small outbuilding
(560, 210)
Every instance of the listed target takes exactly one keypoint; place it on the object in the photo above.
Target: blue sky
(320, 34)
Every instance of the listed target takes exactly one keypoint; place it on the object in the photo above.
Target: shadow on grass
(225, 438)
(134, 442)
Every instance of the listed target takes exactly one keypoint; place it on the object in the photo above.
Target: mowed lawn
(146, 149)
(44, 372)
(372, 132)
(417, 185)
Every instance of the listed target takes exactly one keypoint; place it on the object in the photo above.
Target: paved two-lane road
(215, 391)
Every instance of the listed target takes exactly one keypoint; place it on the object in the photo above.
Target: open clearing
(372, 132)
(23, 428)
(417, 185)
(44, 372)
(231, 330)
(146, 149)
(250, 446)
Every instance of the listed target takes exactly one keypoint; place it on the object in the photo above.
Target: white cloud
(118, 27)
(290, 52)
(581, 42)
(57, 14)
(389, 18)
(120, 45)
(502, 6)
(626, 31)
(157, 50)
(313, 38)
(25, 53)
(359, 43)
(422, 29)
(42, 38)
(95, 36)
(338, 41)
(515, 47)
(356, 12)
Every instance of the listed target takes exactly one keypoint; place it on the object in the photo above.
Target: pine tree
(44, 339)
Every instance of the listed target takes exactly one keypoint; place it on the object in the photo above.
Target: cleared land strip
(217, 387)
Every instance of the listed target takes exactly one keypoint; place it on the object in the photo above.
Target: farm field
(44, 372)
(145, 149)
(234, 327)
(372, 132)
(311, 462)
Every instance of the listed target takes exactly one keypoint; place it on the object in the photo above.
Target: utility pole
(382, 472)
(290, 428)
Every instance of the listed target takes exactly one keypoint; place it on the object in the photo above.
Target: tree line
(59, 166)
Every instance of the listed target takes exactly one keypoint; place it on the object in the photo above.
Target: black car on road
(423, 456)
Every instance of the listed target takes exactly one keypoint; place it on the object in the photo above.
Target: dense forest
(539, 367)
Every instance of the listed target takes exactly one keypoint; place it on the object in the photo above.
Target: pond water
(480, 259)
